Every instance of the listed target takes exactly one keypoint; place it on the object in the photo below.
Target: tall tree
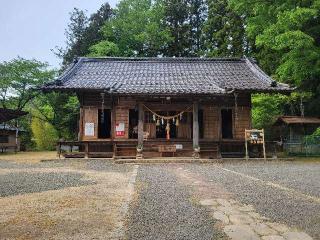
(286, 41)
(224, 33)
(83, 32)
(177, 19)
(135, 30)
(197, 16)
(19, 80)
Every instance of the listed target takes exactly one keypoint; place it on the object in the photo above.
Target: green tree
(176, 18)
(61, 111)
(135, 30)
(197, 16)
(284, 36)
(44, 134)
(19, 80)
(224, 33)
(266, 108)
(83, 32)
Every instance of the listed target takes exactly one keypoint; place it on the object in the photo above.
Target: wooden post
(140, 125)
(86, 149)
(264, 146)
(195, 124)
(80, 134)
(246, 144)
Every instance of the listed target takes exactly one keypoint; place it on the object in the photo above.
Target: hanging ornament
(181, 116)
(162, 121)
(168, 126)
(168, 130)
(158, 122)
(154, 117)
(177, 122)
(173, 120)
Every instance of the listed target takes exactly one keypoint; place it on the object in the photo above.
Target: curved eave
(271, 91)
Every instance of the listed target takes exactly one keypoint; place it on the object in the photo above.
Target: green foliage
(44, 134)
(266, 109)
(104, 48)
(223, 30)
(284, 36)
(19, 79)
(135, 30)
(314, 138)
(83, 32)
(61, 111)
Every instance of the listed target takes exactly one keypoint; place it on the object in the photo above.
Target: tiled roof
(8, 114)
(297, 120)
(166, 76)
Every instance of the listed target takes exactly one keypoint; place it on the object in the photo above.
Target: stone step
(167, 160)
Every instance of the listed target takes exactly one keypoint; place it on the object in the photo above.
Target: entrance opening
(161, 130)
(133, 123)
(226, 123)
(104, 123)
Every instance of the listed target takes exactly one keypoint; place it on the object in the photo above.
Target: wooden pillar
(80, 134)
(140, 125)
(195, 124)
(86, 149)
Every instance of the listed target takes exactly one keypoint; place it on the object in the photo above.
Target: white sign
(120, 129)
(179, 146)
(89, 129)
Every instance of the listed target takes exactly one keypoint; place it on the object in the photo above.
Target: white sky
(30, 28)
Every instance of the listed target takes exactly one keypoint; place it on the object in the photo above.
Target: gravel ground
(164, 209)
(302, 176)
(166, 202)
(295, 210)
(64, 199)
(86, 164)
(24, 182)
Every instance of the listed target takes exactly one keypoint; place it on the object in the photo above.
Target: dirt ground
(77, 199)
(29, 157)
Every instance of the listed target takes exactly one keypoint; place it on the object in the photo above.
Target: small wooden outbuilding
(163, 106)
(293, 129)
(9, 136)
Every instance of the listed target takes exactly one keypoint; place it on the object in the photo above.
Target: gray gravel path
(277, 204)
(302, 176)
(24, 182)
(164, 209)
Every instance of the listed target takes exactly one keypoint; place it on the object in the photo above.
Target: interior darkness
(161, 130)
(104, 123)
(226, 126)
(133, 123)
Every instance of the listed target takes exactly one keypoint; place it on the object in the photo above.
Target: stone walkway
(190, 201)
(241, 222)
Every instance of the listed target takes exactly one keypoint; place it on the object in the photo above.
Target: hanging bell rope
(168, 117)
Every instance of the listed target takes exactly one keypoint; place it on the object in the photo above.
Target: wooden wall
(243, 122)
(11, 138)
(90, 115)
(211, 122)
(90, 103)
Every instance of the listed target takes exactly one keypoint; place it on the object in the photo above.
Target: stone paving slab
(246, 226)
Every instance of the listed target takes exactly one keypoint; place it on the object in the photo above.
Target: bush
(314, 138)
(44, 134)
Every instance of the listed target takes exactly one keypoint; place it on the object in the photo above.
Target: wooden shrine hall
(161, 107)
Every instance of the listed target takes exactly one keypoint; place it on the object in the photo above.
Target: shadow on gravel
(21, 183)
